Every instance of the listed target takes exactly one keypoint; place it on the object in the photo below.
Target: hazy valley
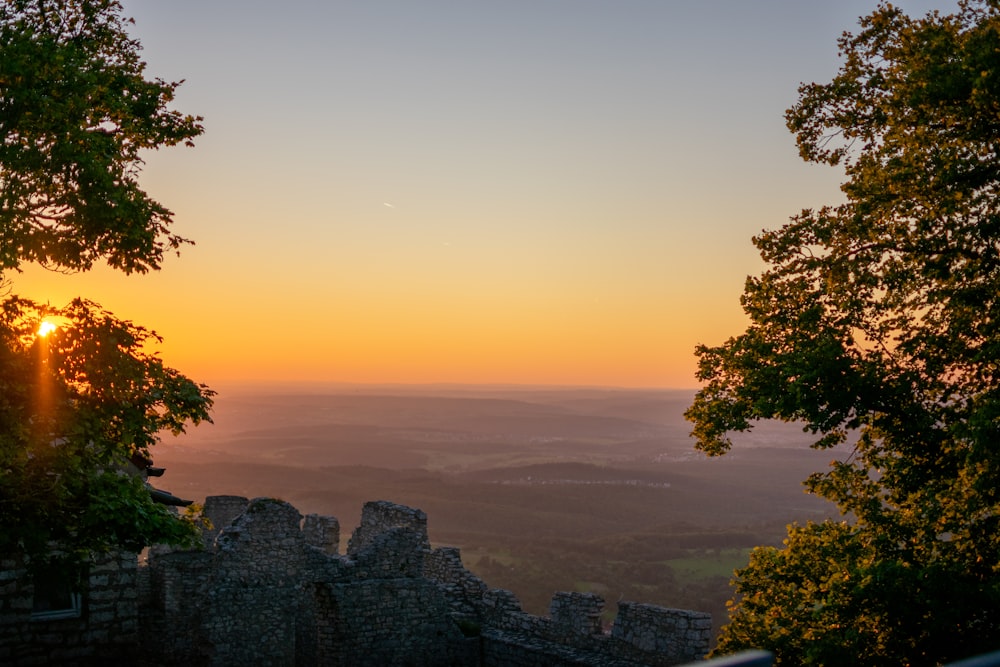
(543, 489)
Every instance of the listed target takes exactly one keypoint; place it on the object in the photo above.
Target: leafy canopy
(75, 406)
(75, 114)
(878, 320)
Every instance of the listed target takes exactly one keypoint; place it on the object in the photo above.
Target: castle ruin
(271, 588)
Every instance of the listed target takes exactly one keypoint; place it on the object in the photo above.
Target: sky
(557, 192)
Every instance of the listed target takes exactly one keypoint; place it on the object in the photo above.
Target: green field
(709, 563)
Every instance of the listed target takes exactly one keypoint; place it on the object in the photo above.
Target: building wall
(105, 630)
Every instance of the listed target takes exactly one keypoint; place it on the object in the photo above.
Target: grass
(705, 563)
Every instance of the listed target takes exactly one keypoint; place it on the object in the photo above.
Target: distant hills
(543, 488)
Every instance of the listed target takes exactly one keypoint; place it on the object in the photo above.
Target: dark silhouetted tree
(878, 320)
(76, 405)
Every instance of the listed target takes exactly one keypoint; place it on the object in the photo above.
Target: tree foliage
(878, 320)
(75, 406)
(75, 114)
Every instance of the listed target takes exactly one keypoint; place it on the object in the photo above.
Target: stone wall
(677, 634)
(379, 517)
(270, 588)
(103, 630)
(572, 634)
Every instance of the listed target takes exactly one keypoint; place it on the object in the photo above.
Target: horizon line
(243, 385)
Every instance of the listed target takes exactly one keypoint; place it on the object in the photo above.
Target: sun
(45, 328)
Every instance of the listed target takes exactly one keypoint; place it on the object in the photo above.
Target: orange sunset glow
(559, 193)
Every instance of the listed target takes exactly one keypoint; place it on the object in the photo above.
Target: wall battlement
(270, 587)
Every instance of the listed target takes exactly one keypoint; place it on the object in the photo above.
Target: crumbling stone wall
(576, 613)
(271, 588)
(323, 532)
(242, 600)
(572, 634)
(464, 590)
(220, 512)
(105, 630)
(642, 634)
(260, 569)
(380, 516)
(389, 622)
(677, 634)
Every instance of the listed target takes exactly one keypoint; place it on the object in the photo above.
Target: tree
(877, 322)
(76, 405)
(75, 113)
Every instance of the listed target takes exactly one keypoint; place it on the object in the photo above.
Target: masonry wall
(270, 588)
(242, 601)
(572, 634)
(105, 631)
